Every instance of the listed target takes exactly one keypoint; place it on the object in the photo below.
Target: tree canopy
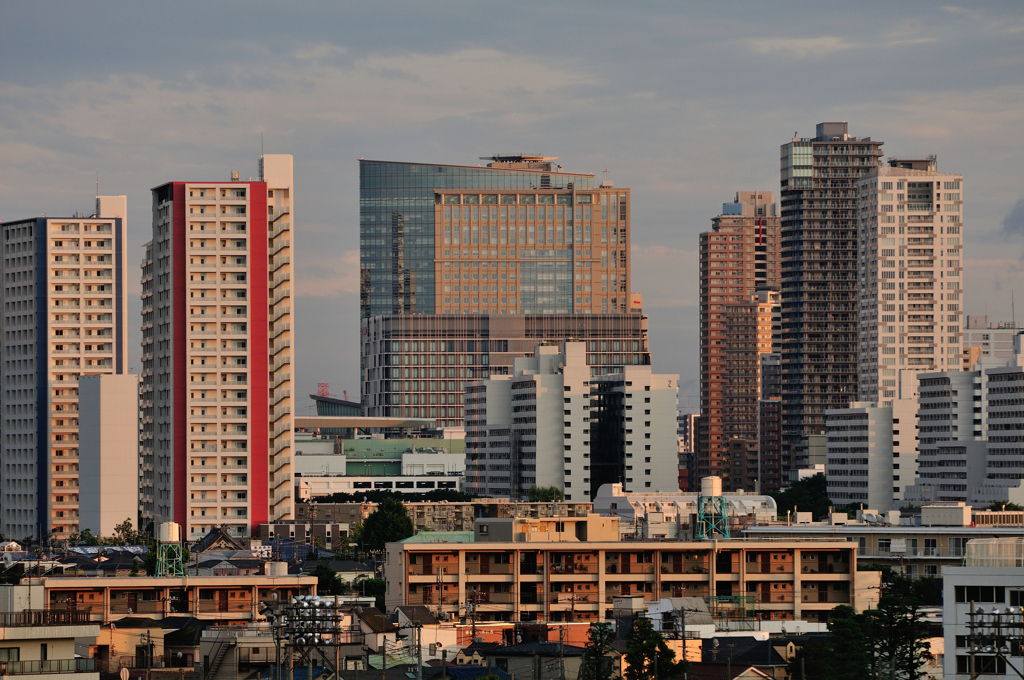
(544, 494)
(806, 495)
(387, 524)
(887, 641)
(647, 655)
(597, 662)
(327, 582)
(997, 505)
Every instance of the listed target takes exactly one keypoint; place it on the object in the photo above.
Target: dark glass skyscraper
(819, 178)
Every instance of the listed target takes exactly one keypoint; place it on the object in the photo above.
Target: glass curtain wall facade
(397, 230)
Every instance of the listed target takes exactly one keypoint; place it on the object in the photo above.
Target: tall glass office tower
(534, 253)
(421, 222)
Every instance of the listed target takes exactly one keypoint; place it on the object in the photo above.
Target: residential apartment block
(552, 423)
(64, 312)
(820, 269)
(924, 546)
(108, 451)
(984, 338)
(871, 453)
(739, 258)
(417, 365)
(517, 570)
(910, 247)
(752, 334)
(216, 394)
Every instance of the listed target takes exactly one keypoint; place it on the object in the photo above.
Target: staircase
(219, 652)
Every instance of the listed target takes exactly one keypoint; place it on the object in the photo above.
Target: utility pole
(561, 653)
(419, 651)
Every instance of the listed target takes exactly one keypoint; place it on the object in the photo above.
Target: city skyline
(683, 131)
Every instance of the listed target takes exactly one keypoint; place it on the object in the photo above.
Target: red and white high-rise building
(216, 394)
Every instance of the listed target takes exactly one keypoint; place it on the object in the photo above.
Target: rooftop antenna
(1013, 311)
(261, 155)
(97, 182)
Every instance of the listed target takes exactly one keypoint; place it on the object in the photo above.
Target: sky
(683, 102)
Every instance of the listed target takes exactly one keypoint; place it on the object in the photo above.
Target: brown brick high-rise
(738, 257)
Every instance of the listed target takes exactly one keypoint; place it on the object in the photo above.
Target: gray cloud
(683, 102)
(1013, 224)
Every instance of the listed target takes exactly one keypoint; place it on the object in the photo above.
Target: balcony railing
(31, 618)
(47, 666)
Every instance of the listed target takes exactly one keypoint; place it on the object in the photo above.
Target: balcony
(32, 618)
(48, 666)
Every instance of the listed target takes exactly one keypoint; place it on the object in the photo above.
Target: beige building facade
(523, 580)
(216, 393)
(910, 247)
(65, 310)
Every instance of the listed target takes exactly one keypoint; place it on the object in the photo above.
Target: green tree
(544, 494)
(124, 533)
(86, 537)
(149, 561)
(998, 506)
(888, 641)
(898, 634)
(375, 588)
(849, 646)
(647, 655)
(327, 582)
(806, 495)
(387, 524)
(597, 662)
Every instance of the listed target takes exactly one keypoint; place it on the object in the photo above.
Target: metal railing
(31, 618)
(47, 666)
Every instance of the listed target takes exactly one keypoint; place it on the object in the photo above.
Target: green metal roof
(440, 537)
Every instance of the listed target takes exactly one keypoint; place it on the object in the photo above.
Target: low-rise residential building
(210, 598)
(525, 580)
(926, 545)
(38, 644)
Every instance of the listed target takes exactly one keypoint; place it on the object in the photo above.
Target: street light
(310, 625)
(996, 635)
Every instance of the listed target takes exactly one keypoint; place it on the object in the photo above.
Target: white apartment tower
(64, 311)
(910, 253)
(553, 424)
(216, 394)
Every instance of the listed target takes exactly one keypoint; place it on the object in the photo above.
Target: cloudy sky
(685, 103)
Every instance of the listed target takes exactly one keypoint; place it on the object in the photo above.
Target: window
(979, 593)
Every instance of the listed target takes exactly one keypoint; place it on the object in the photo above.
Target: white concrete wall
(108, 451)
